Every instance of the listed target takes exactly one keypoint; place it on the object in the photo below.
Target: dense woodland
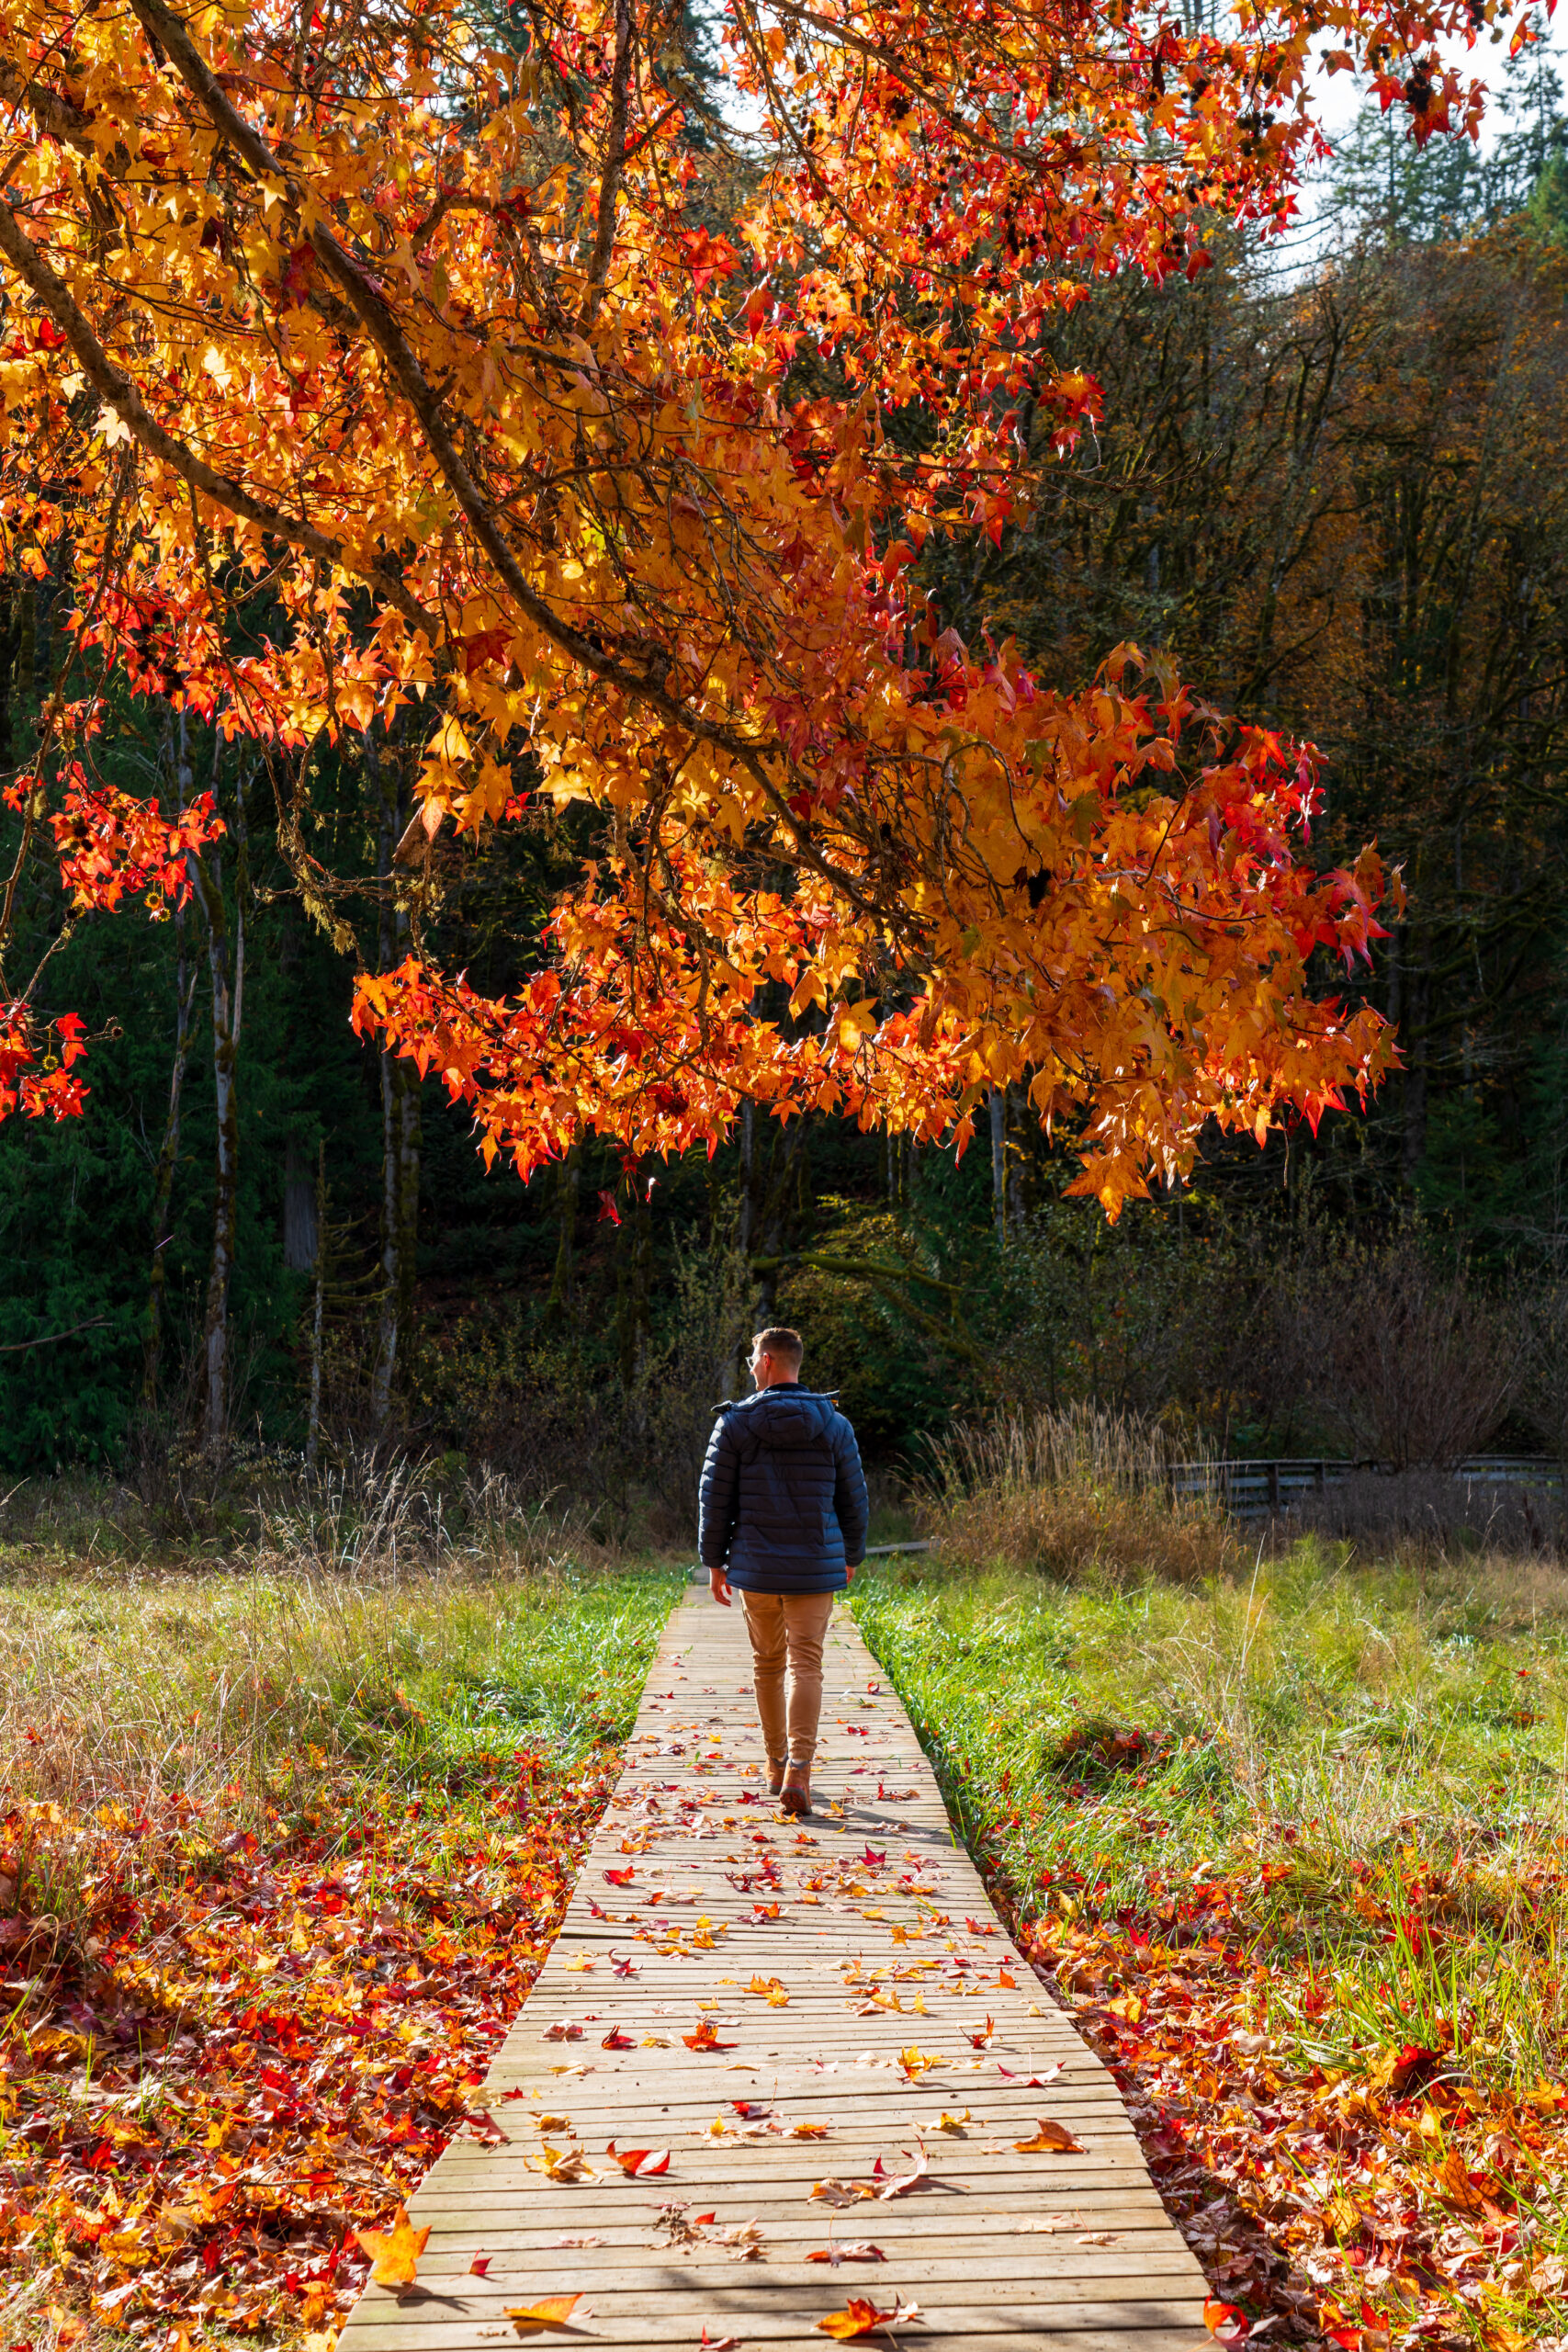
(1334, 486)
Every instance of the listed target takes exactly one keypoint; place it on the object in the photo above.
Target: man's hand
(850, 1567)
(718, 1585)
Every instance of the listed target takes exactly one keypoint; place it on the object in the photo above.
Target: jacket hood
(787, 1418)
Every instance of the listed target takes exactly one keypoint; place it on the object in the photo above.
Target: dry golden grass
(1079, 1494)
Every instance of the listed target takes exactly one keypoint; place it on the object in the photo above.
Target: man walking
(782, 1521)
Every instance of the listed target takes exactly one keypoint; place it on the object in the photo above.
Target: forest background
(1338, 492)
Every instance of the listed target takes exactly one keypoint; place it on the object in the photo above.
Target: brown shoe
(794, 1794)
(777, 1767)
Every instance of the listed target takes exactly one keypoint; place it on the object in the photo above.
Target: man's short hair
(778, 1340)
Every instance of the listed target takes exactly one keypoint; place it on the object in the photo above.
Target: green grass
(1390, 1743)
(1293, 1849)
(123, 1684)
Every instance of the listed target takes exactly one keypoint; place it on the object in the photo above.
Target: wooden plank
(696, 1884)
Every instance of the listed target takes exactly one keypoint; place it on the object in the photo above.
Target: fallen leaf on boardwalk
(1032, 2082)
(982, 2036)
(1006, 1980)
(551, 2122)
(706, 2037)
(550, 2310)
(905, 2181)
(855, 2250)
(640, 2164)
(775, 1995)
(1051, 2139)
(621, 1878)
(1099, 2237)
(394, 2252)
(952, 2123)
(744, 2238)
(617, 2039)
(591, 2239)
(863, 2318)
(563, 2030)
(1225, 2323)
(706, 2343)
(979, 1927)
(840, 2192)
(563, 2163)
(808, 2131)
(479, 2267)
(626, 1966)
(874, 1861)
(917, 2062)
(1052, 2224)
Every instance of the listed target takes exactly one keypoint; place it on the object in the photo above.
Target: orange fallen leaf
(1052, 2139)
(706, 2037)
(550, 2310)
(863, 2318)
(1225, 2323)
(394, 2252)
(855, 2250)
(706, 2343)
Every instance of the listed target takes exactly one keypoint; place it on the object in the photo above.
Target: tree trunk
(167, 1164)
(300, 1225)
(313, 1429)
(998, 1163)
(400, 1135)
(226, 962)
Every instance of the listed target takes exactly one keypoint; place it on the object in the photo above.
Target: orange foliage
(414, 342)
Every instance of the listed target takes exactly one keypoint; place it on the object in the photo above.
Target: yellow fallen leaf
(394, 2252)
(563, 2163)
(550, 2310)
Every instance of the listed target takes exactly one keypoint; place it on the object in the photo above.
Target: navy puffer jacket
(783, 1501)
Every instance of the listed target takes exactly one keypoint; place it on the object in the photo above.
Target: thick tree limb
(365, 298)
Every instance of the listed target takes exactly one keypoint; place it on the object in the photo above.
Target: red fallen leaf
(394, 2252)
(874, 1861)
(979, 1927)
(1032, 2082)
(626, 1966)
(479, 2267)
(706, 2343)
(981, 2039)
(706, 2037)
(764, 1910)
(639, 2164)
(857, 2250)
(863, 2318)
(621, 1878)
(617, 2039)
(700, 2220)
(1051, 2138)
(1228, 2326)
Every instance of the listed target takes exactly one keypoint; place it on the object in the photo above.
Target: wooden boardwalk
(866, 2015)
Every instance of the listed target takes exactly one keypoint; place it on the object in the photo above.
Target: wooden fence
(1257, 1489)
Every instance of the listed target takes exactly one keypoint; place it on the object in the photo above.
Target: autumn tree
(423, 343)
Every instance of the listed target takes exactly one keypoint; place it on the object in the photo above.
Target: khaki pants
(787, 1630)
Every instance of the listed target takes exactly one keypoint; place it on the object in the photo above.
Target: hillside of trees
(1335, 487)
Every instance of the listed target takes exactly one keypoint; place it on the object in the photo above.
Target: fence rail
(1257, 1488)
